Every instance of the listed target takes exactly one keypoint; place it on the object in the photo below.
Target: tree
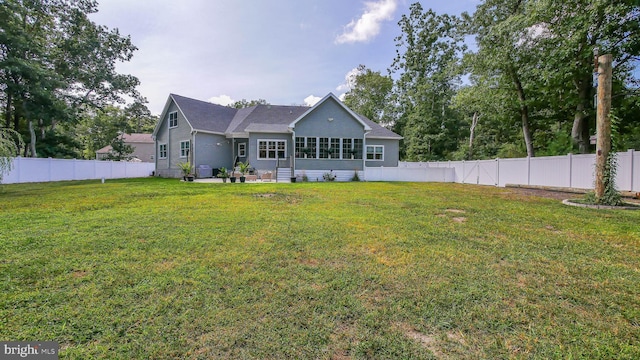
(507, 53)
(570, 38)
(370, 94)
(55, 64)
(119, 150)
(10, 144)
(428, 53)
(244, 103)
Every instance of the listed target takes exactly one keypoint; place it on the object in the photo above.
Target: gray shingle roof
(205, 116)
(270, 117)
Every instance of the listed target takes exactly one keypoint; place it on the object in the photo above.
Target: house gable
(330, 118)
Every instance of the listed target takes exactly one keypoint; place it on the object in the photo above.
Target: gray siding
(213, 150)
(317, 123)
(266, 165)
(171, 137)
(328, 164)
(391, 152)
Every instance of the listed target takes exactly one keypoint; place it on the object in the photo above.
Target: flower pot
(293, 179)
(190, 178)
(224, 180)
(233, 179)
(242, 179)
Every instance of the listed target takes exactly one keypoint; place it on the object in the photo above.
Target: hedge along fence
(26, 170)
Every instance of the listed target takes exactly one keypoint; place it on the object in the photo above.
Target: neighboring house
(286, 140)
(143, 147)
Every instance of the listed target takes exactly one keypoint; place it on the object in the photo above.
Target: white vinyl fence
(26, 170)
(570, 171)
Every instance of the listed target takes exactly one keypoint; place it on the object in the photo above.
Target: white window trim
(169, 119)
(374, 152)
(188, 148)
(267, 140)
(242, 150)
(160, 151)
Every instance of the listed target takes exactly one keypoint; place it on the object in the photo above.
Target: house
(143, 147)
(285, 140)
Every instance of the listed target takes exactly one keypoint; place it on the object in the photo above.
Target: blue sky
(284, 51)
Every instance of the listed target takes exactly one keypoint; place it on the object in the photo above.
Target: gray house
(285, 140)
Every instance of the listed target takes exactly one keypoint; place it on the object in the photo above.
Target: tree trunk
(524, 114)
(580, 129)
(7, 112)
(32, 143)
(603, 123)
(474, 122)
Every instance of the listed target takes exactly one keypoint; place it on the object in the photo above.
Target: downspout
(293, 156)
(364, 151)
(155, 157)
(193, 148)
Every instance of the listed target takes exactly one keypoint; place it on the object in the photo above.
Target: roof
(205, 116)
(208, 117)
(104, 150)
(137, 138)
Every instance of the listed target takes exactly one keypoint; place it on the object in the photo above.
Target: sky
(287, 52)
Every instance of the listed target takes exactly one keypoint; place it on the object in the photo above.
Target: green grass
(160, 269)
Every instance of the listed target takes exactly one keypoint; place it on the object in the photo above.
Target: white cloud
(312, 100)
(224, 100)
(368, 25)
(349, 80)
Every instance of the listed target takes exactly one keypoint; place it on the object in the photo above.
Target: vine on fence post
(10, 145)
(611, 195)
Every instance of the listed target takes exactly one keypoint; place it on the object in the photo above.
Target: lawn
(160, 269)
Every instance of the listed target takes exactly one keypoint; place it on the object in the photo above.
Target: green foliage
(185, 167)
(146, 268)
(241, 104)
(428, 67)
(10, 145)
(223, 173)
(119, 150)
(355, 176)
(243, 167)
(55, 65)
(369, 94)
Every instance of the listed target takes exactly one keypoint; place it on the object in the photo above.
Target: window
(242, 150)
(375, 152)
(173, 119)
(300, 147)
(357, 148)
(335, 148)
(272, 149)
(312, 153)
(184, 148)
(162, 151)
(347, 149)
(324, 148)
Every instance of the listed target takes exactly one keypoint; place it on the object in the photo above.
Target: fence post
(477, 172)
(570, 158)
(462, 172)
(631, 152)
(49, 161)
(497, 171)
(528, 170)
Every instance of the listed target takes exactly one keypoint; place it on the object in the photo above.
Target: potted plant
(243, 167)
(307, 152)
(185, 167)
(223, 174)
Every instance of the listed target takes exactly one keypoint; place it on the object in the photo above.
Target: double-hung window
(272, 149)
(173, 119)
(375, 152)
(162, 151)
(242, 150)
(184, 148)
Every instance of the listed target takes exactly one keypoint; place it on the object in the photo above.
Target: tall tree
(244, 103)
(370, 94)
(428, 53)
(56, 63)
(569, 33)
(502, 31)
